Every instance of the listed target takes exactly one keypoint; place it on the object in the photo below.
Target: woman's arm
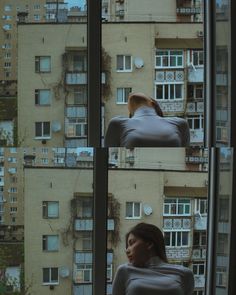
(118, 285)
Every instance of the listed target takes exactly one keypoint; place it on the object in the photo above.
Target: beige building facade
(58, 222)
(167, 66)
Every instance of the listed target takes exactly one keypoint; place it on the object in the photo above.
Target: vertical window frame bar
(94, 74)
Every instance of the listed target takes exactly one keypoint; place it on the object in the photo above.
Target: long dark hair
(140, 98)
(149, 233)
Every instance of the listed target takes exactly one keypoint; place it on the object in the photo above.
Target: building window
(173, 91)
(7, 65)
(221, 276)
(80, 95)
(50, 242)
(195, 91)
(7, 74)
(199, 269)
(11, 160)
(83, 273)
(85, 207)
(176, 238)
(13, 199)
(42, 129)
(195, 122)
(224, 210)
(12, 170)
(197, 57)
(7, 27)
(175, 206)
(122, 95)
(86, 241)
(50, 276)
(50, 209)
(42, 97)
(199, 238)
(169, 58)
(42, 64)
(45, 150)
(7, 55)
(6, 46)
(80, 63)
(44, 161)
(13, 150)
(124, 63)
(36, 6)
(76, 127)
(8, 36)
(7, 8)
(13, 179)
(37, 17)
(133, 210)
(13, 190)
(201, 206)
(13, 210)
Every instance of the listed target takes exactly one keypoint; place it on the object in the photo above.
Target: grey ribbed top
(156, 278)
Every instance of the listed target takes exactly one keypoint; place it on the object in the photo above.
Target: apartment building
(137, 10)
(168, 69)
(59, 222)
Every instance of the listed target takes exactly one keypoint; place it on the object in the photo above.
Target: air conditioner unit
(200, 33)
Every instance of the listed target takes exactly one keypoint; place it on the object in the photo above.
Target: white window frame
(12, 190)
(44, 161)
(197, 266)
(198, 52)
(71, 127)
(50, 282)
(8, 7)
(166, 86)
(45, 242)
(45, 206)
(37, 17)
(43, 134)
(194, 118)
(7, 46)
(198, 206)
(83, 268)
(168, 56)
(38, 64)
(124, 94)
(133, 210)
(176, 204)
(174, 234)
(13, 210)
(37, 6)
(124, 67)
(38, 97)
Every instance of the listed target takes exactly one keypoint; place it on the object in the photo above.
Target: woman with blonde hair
(148, 271)
(146, 126)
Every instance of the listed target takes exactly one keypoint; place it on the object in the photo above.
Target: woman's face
(137, 251)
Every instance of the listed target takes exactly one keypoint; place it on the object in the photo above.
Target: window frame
(124, 95)
(133, 210)
(177, 206)
(50, 282)
(168, 57)
(175, 234)
(169, 84)
(45, 208)
(37, 95)
(124, 68)
(43, 136)
(45, 243)
(38, 66)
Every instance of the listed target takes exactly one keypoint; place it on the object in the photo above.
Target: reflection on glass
(145, 56)
(165, 187)
(222, 73)
(223, 221)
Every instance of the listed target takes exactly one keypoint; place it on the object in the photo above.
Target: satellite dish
(56, 126)
(147, 209)
(64, 272)
(138, 62)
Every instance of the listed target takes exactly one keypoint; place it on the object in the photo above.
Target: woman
(148, 271)
(146, 126)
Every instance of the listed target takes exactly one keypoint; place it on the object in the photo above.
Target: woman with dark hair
(148, 271)
(146, 126)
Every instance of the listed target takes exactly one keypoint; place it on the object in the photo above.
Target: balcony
(195, 74)
(80, 78)
(196, 160)
(196, 136)
(200, 222)
(195, 107)
(87, 224)
(198, 253)
(188, 10)
(199, 281)
(178, 253)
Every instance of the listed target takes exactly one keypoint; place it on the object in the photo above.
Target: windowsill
(42, 138)
(49, 284)
(169, 100)
(177, 215)
(124, 71)
(133, 218)
(50, 251)
(42, 105)
(164, 68)
(122, 103)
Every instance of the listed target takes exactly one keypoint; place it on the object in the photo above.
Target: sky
(75, 2)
